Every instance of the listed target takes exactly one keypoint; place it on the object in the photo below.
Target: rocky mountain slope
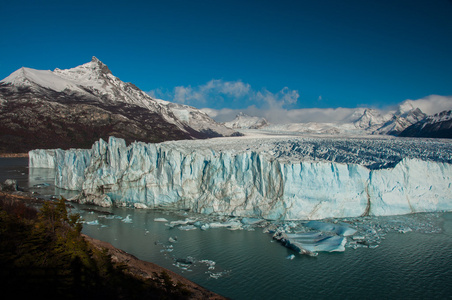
(436, 126)
(73, 108)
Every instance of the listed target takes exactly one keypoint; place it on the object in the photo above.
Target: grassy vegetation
(42, 253)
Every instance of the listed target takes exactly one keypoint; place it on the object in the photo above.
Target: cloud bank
(220, 93)
(275, 107)
(432, 104)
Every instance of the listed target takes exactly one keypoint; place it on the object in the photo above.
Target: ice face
(261, 177)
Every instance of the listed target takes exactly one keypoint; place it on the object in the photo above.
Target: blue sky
(241, 54)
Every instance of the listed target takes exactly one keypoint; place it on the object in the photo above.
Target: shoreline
(9, 155)
(146, 269)
(136, 267)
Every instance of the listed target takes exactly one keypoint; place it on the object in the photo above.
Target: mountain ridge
(72, 108)
(436, 126)
(360, 121)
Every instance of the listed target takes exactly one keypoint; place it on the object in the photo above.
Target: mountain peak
(97, 64)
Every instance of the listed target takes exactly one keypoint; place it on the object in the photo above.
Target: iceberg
(312, 242)
(160, 220)
(263, 178)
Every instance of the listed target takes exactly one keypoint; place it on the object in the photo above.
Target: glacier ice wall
(219, 180)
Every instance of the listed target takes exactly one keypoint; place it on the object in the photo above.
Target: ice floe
(127, 219)
(160, 220)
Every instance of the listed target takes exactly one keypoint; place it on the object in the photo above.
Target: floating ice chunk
(186, 261)
(167, 250)
(172, 239)
(95, 222)
(209, 263)
(251, 221)
(232, 224)
(312, 242)
(339, 229)
(182, 222)
(216, 225)
(404, 230)
(290, 257)
(160, 220)
(205, 226)
(217, 275)
(140, 205)
(187, 227)
(127, 219)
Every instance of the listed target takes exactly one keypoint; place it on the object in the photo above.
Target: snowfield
(265, 176)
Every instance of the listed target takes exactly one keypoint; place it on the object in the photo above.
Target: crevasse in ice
(248, 182)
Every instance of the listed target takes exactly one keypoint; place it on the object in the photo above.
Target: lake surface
(249, 264)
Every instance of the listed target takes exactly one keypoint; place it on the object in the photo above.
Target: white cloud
(432, 104)
(274, 106)
(282, 116)
(217, 90)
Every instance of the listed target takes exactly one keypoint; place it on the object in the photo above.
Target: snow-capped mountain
(360, 121)
(394, 122)
(371, 120)
(244, 121)
(436, 126)
(75, 107)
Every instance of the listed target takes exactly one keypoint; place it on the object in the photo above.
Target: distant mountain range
(405, 121)
(73, 108)
(244, 121)
(437, 126)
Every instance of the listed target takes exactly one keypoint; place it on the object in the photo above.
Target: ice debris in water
(189, 263)
(204, 222)
(291, 257)
(312, 242)
(95, 222)
(187, 227)
(127, 219)
(160, 220)
(334, 235)
(209, 263)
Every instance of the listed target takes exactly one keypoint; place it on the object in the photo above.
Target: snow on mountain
(437, 126)
(281, 178)
(243, 121)
(26, 77)
(370, 120)
(374, 121)
(362, 121)
(95, 78)
(92, 88)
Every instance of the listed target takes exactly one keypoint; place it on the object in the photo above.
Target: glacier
(275, 178)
